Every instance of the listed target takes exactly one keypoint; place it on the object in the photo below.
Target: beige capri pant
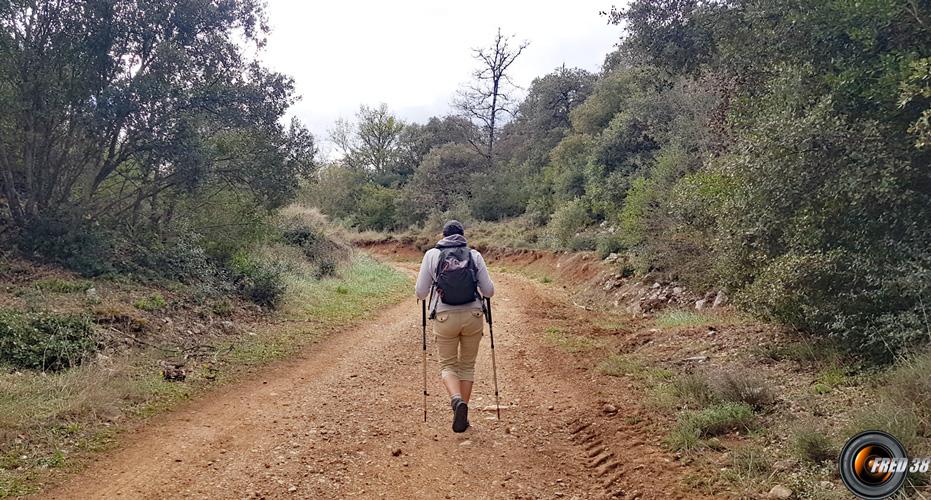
(458, 334)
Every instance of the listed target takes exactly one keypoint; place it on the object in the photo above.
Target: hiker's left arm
(424, 279)
(484, 279)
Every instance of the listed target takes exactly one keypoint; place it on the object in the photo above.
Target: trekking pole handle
(488, 308)
(423, 322)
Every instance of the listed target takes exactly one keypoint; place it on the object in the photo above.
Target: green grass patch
(362, 286)
(567, 341)
(151, 303)
(693, 426)
(803, 351)
(689, 318)
(58, 285)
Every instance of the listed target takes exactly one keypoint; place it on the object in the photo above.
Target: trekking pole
(424, 324)
(494, 368)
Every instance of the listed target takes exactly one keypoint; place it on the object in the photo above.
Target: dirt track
(345, 419)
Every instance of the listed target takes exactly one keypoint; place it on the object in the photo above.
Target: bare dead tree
(489, 95)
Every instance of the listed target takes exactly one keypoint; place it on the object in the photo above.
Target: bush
(180, 258)
(45, 341)
(497, 196)
(260, 281)
(608, 243)
(83, 247)
(830, 237)
(326, 269)
(567, 221)
(301, 228)
(376, 208)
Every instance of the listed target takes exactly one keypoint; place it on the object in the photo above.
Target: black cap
(453, 227)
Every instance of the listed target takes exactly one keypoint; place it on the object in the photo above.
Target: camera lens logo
(873, 465)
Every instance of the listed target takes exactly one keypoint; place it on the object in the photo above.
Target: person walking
(454, 279)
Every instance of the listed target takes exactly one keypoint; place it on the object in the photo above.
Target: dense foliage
(776, 148)
(140, 136)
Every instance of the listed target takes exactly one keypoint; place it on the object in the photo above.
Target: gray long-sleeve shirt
(427, 277)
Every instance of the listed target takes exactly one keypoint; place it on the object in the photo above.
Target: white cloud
(413, 55)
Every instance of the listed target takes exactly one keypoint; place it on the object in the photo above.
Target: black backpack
(456, 276)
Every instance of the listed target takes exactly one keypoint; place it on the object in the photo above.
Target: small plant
(812, 445)
(342, 290)
(223, 308)
(694, 389)
(684, 438)
(260, 281)
(152, 303)
(749, 464)
(326, 269)
(545, 280)
(832, 376)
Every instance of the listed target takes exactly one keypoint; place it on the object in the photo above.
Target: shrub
(45, 341)
(376, 208)
(608, 243)
(260, 281)
(326, 269)
(302, 229)
(83, 247)
(179, 258)
(222, 308)
(567, 221)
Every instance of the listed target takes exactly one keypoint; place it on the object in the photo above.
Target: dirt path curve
(344, 419)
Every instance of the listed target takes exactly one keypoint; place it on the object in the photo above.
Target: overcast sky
(414, 54)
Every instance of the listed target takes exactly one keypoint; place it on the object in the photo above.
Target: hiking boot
(460, 415)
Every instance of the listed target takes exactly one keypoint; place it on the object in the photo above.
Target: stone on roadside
(780, 491)
(720, 299)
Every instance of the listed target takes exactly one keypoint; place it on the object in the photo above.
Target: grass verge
(50, 423)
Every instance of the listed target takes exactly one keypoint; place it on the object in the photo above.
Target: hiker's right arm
(484, 279)
(425, 278)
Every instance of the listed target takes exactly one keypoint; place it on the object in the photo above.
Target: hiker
(451, 277)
